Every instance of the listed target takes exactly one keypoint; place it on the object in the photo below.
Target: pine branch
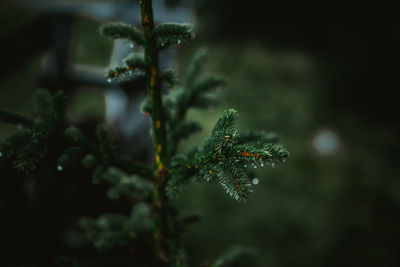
(110, 231)
(181, 175)
(105, 142)
(102, 155)
(121, 30)
(15, 118)
(131, 166)
(194, 93)
(169, 77)
(89, 161)
(195, 68)
(224, 157)
(207, 84)
(58, 105)
(99, 172)
(75, 136)
(42, 100)
(133, 186)
(69, 158)
(134, 65)
(183, 130)
(167, 34)
(28, 147)
(257, 136)
(136, 60)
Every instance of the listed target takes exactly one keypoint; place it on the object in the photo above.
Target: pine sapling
(225, 156)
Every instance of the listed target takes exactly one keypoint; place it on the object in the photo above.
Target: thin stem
(159, 134)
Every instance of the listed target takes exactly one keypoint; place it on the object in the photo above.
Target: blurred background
(323, 77)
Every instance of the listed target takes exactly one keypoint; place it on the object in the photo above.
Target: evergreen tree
(225, 156)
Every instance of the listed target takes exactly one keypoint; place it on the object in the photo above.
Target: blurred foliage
(87, 105)
(17, 17)
(317, 207)
(22, 104)
(293, 71)
(90, 47)
(335, 210)
(40, 212)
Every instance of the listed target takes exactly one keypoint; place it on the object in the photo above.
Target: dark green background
(292, 68)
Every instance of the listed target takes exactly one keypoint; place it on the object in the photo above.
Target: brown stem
(159, 134)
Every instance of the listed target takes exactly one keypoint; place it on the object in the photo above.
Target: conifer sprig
(122, 31)
(194, 92)
(27, 148)
(133, 65)
(115, 230)
(99, 156)
(167, 34)
(15, 118)
(131, 186)
(169, 77)
(226, 156)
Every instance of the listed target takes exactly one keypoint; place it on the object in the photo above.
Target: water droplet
(272, 164)
(245, 165)
(255, 166)
(131, 45)
(326, 142)
(109, 80)
(179, 42)
(262, 164)
(255, 181)
(59, 168)
(162, 44)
